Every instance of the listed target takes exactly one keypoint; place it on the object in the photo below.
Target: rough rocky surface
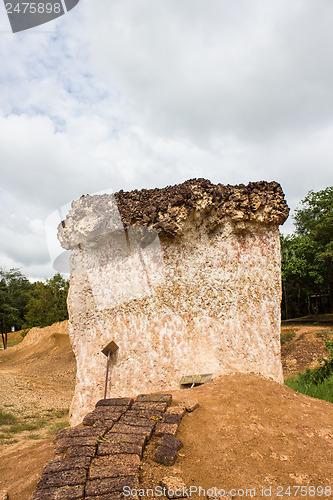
(167, 448)
(174, 487)
(170, 442)
(190, 404)
(167, 209)
(192, 286)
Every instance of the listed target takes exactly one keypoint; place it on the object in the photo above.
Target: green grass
(58, 426)
(24, 332)
(318, 382)
(57, 412)
(7, 418)
(9, 441)
(286, 335)
(62, 412)
(321, 391)
(4, 435)
(27, 426)
(12, 425)
(13, 342)
(34, 436)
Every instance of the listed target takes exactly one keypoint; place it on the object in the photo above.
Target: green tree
(307, 255)
(7, 312)
(59, 287)
(47, 302)
(315, 220)
(14, 293)
(302, 274)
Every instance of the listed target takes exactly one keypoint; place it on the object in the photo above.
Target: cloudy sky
(124, 94)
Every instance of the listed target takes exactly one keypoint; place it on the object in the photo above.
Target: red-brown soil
(248, 432)
(303, 345)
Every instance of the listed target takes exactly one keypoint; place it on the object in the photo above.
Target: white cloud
(129, 94)
(199, 68)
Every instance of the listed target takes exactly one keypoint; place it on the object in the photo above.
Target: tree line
(24, 304)
(307, 258)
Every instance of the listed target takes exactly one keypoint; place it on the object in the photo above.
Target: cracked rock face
(184, 279)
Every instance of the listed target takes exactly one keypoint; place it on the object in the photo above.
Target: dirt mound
(36, 375)
(38, 344)
(302, 346)
(40, 370)
(249, 433)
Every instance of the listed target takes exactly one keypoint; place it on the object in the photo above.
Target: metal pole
(107, 373)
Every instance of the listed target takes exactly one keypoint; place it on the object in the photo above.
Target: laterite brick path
(99, 459)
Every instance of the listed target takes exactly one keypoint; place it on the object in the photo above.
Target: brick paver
(98, 460)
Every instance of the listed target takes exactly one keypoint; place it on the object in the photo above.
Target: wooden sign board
(112, 347)
(196, 379)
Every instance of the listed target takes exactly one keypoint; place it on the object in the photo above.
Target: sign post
(107, 351)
